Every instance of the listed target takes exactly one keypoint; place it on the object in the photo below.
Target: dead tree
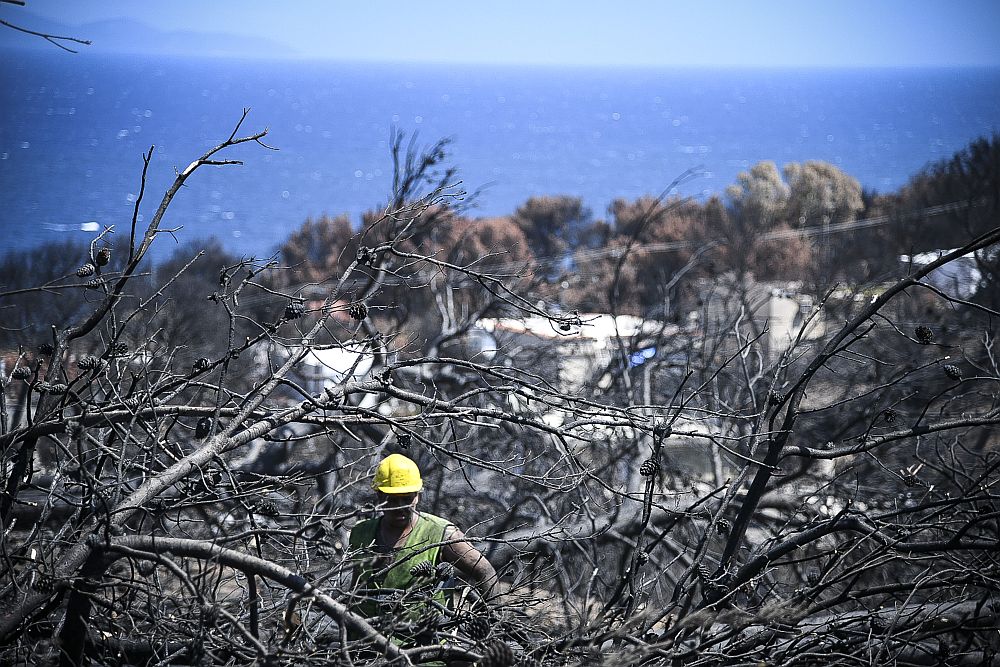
(827, 503)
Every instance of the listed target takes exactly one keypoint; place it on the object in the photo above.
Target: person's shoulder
(435, 520)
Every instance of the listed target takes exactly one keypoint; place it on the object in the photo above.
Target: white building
(779, 309)
(588, 345)
(959, 278)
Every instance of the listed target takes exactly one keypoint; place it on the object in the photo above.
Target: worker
(400, 550)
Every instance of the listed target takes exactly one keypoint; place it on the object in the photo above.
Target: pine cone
(358, 311)
(365, 254)
(326, 551)
(649, 467)
(95, 283)
(813, 576)
(294, 310)
(422, 569)
(703, 572)
(723, 526)
(88, 363)
(46, 349)
(661, 429)
(44, 583)
(445, 571)
(146, 568)
(642, 557)
(404, 440)
(497, 654)
(429, 620)
(56, 389)
(909, 479)
(565, 326)
(120, 348)
(889, 415)
(953, 372)
(775, 398)
(86, 270)
(265, 507)
(924, 335)
(201, 365)
(103, 256)
(21, 373)
(203, 428)
(477, 627)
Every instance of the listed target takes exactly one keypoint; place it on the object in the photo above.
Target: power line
(803, 232)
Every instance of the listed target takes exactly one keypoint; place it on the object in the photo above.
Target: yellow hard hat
(397, 474)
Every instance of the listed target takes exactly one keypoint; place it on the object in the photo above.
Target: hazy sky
(585, 32)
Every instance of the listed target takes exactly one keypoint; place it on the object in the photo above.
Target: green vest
(371, 575)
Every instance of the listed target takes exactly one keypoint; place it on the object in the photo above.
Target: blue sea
(73, 129)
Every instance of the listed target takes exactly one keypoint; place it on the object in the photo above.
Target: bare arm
(471, 563)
